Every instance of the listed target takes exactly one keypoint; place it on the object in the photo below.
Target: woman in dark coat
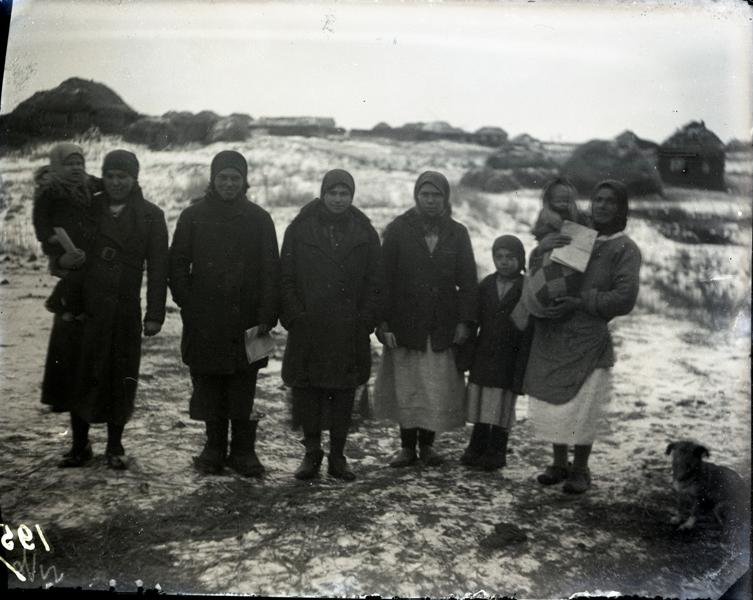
(330, 306)
(569, 374)
(65, 197)
(132, 233)
(224, 276)
(432, 302)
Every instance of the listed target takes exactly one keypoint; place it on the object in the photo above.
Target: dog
(703, 487)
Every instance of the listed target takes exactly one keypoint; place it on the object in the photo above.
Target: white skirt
(577, 421)
(420, 389)
(490, 405)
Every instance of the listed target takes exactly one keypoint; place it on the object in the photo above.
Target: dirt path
(409, 533)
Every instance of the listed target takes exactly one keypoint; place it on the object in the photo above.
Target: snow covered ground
(415, 532)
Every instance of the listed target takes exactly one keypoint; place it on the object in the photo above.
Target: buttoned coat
(224, 276)
(330, 300)
(428, 293)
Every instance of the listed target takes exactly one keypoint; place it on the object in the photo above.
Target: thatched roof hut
(693, 157)
(70, 109)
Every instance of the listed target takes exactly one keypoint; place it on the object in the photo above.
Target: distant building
(693, 157)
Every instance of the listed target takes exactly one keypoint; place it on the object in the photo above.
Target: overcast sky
(552, 69)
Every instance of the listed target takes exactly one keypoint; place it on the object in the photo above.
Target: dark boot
(426, 452)
(312, 460)
(495, 456)
(337, 465)
(81, 451)
(477, 446)
(243, 459)
(115, 453)
(212, 457)
(407, 455)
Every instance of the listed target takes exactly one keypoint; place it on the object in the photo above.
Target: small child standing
(499, 359)
(63, 198)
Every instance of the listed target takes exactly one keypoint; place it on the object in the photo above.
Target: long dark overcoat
(500, 351)
(428, 293)
(111, 347)
(330, 300)
(52, 206)
(224, 276)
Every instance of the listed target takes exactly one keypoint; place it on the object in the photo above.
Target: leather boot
(212, 457)
(312, 460)
(243, 459)
(477, 446)
(495, 456)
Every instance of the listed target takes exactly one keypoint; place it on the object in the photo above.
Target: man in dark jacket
(331, 280)
(224, 276)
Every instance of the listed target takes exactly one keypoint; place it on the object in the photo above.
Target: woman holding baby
(569, 378)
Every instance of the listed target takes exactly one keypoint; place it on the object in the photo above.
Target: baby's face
(560, 198)
(505, 262)
(73, 167)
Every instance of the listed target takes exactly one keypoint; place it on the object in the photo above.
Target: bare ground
(411, 532)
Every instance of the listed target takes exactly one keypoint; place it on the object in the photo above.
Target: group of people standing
(332, 285)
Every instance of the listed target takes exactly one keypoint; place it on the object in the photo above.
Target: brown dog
(704, 487)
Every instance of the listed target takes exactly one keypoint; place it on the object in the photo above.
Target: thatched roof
(74, 95)
(693, 137)
(627, 138)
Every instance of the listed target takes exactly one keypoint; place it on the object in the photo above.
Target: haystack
(525, 153)
(693, 157)
(191, 127)
(601, 159)
(155, 132)
(234, 128)
(70, 109)
(490, 136)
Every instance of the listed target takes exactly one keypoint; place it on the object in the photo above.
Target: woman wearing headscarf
(431, 306)
(331, 286)
(569, 379)
(65, 197)
(224, 276)
(132, 237)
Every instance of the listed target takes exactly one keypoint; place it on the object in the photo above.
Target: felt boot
(476, 447)
(312, 460)
(495, 456)
(212, 457)
(242, 458)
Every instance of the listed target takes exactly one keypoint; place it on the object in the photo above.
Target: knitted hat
(121, 160)
(61, 152)
(229, 159)
(438, 180)
(337, 177)
(514, 245)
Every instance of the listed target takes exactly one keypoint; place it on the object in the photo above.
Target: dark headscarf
(76, 189)
(337, 177)
(436, 179)
(514, 245)
(228, 159)
(619, 222)
(121, 160)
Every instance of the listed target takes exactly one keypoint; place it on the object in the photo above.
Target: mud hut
(70, 109)
(693, 157)
(609, 159)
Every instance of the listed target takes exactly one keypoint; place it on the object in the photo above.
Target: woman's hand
(462, 333)
(385, 336)
(151, 328)
(554, 240)
(72, 260)
(263, 329)
(562, 307)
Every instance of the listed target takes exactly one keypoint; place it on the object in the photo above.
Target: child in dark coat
(63, 199)
(499, 359)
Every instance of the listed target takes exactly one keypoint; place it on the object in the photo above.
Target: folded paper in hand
(578, 252)
(257, 346)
